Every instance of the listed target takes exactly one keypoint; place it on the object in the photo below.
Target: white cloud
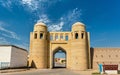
(51, 26)
(38, 4)
(31, 4)
(8, 33)
(6, 3)
(23, 45)
(72, 16)
(43, 18)
(3, 41)
(56, 27)
(67, 19)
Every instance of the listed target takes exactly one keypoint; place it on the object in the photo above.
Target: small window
(76, 35)
(35, 36)
(66, 37)
(51, 37)
(41, 35)
(56, 37)
(82, 35)
(61, 36)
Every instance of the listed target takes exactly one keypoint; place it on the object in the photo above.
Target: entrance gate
(45, 44)
(59, 59)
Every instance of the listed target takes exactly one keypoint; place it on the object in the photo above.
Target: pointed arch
(59, 48)
(56, 50)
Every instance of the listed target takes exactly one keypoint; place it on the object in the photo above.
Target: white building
(12, 56)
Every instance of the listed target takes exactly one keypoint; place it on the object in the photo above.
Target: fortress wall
(108, 56)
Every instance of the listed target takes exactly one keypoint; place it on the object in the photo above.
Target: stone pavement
(48, 72)
(13, 70)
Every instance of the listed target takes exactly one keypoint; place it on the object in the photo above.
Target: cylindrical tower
(79, 47)
(38, 46)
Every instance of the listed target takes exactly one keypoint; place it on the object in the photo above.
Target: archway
(59, 58)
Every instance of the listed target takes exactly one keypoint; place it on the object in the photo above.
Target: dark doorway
(59, 59)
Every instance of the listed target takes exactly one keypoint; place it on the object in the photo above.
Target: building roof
(15, 47)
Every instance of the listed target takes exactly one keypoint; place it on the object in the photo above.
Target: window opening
(82, 35)
(66, 37)
(76, 35)
(35, 36)
(41, 35)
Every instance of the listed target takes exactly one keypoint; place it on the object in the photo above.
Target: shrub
(118, 71)
(96, 73)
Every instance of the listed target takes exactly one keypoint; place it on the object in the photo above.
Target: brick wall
(106, 56)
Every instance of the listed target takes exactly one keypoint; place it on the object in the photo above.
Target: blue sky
(60, 55)
(101, 17)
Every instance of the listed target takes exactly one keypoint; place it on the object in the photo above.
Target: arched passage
(59, 58)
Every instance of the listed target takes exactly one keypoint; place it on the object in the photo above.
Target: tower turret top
(40, 24)
(78, 23)
(78, 26)
(40, 27)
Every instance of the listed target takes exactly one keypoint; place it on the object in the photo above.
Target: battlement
(60, 36)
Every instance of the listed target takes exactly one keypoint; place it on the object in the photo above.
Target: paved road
(59, 65)
(50, 72)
